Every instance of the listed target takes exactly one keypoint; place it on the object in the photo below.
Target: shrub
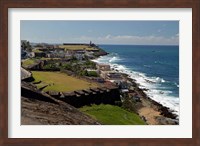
(118, 103)
(92, 74)
(67, 66)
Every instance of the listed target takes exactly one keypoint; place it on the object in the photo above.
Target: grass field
(77, 47)
(112, 115)
(61, 82)
(37, 51)
(28, 62)
(45, 58)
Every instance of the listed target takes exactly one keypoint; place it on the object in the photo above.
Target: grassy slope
(28, 62)
(60, 81)
(112, 115)
(77, 47)
(37, 51)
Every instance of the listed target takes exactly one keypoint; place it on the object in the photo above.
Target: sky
(101, 32)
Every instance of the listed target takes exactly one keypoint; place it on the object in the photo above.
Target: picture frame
(4, 61)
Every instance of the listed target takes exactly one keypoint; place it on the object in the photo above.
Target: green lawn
(60, 82)
(45, 58)
(28, 62)
(77, 47)
(37, 51)
(112, 115)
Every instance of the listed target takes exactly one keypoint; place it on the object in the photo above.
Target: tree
(29, 48)
(26, 46)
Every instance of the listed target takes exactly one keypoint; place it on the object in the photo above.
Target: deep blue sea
(154, 67)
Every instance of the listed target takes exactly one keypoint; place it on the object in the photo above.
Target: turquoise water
(154, 67)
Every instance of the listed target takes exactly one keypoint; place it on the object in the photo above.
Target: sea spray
(160, 89)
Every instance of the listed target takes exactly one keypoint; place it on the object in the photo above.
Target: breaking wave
(156, 91)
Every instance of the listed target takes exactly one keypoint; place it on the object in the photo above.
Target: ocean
(155, 68)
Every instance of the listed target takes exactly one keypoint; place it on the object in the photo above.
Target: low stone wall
(79, 98)
(26, 75)
(26, 92)
(91, 96)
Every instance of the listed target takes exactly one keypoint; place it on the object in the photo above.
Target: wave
(147, 66)
(110, 58)
(156, 92)
(176, 85)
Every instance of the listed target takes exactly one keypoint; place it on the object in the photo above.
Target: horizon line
(110, 44)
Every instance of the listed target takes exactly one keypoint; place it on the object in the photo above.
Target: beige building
(103, 67)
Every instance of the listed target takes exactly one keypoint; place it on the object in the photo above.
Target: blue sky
(101, 32)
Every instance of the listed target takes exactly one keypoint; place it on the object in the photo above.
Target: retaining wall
(92, 96)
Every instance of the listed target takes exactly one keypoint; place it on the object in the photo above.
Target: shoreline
(151, 111)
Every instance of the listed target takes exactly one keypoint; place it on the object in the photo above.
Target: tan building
(103, 67)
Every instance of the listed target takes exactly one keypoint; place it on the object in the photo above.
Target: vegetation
(79, 68)
(78, 47)
(45, 58)
(28, 62)
(92, 74)
(61, 82)
(128, 103)
(26, 46)
(37, 51)
(112, 115)
(50, 66)
(90, 64)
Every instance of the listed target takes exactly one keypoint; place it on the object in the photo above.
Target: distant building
(79, 56)
(114, 76)
(24, 54)
(40, 54)
(103, 67)
(97, 79)
(31, 54)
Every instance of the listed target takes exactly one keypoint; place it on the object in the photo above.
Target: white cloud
(90, 30)
(116, 39)
(130, 39)
(108, 37)
(159, 30)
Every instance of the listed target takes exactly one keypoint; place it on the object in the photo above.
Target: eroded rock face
(167, 121)
(35, 112)
(50, 112)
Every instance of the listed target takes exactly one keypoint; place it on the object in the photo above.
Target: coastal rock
(167, 113)
(167, 121)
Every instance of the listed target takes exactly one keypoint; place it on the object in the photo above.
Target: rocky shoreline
(163, 115)
(152, 112)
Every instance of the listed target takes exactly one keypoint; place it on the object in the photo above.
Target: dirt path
(149, 112)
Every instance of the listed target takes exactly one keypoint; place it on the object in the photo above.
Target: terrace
(60, 82)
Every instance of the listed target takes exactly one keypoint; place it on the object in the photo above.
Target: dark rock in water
(144, 89)
(166, 112)
(148, 81)
(167, 121)
(101, 52)
(161, 92)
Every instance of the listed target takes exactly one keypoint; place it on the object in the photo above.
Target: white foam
(145, 82)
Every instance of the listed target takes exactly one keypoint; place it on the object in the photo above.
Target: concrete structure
(79, 56)
(25, 74)
(103, 67)
(79, 98)
(114, 76)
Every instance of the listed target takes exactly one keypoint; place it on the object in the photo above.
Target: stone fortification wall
(104, 95)
(80, 98)
(27, 92)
